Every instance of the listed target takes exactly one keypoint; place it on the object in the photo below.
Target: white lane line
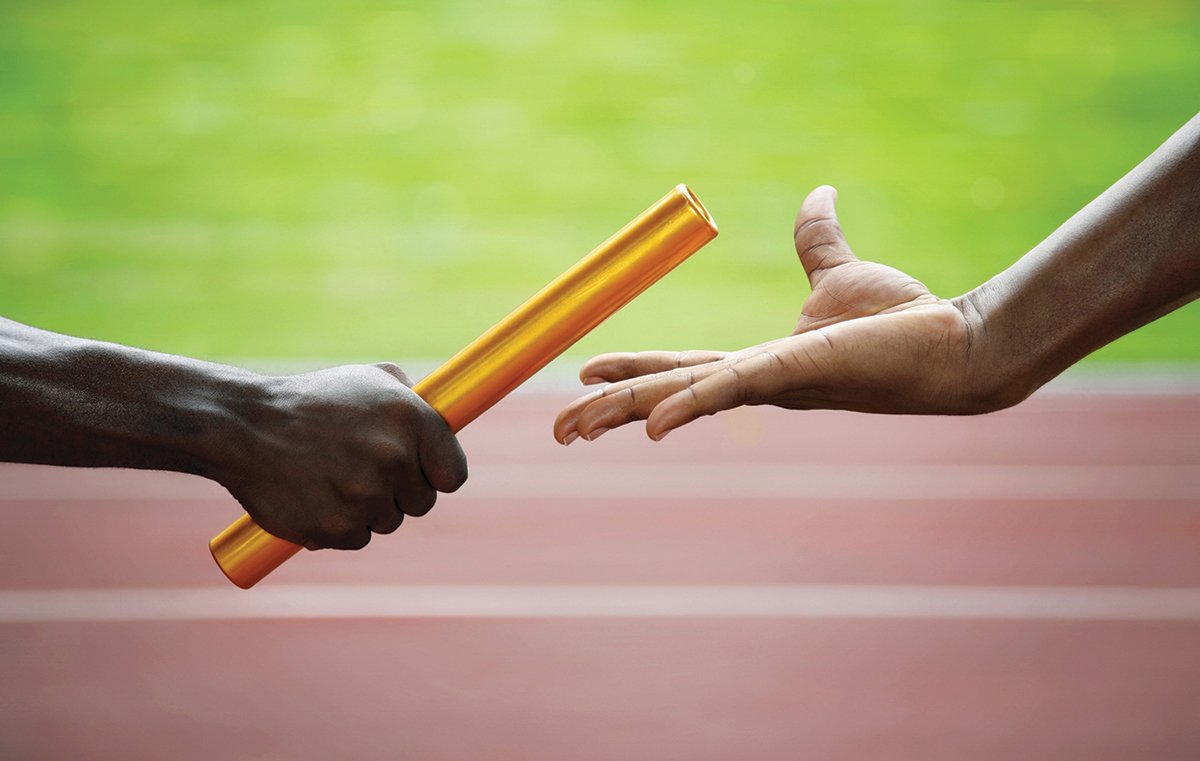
(523, 602)
(723, 481)
(834, 482)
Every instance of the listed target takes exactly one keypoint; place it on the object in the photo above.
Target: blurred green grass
(372, 180)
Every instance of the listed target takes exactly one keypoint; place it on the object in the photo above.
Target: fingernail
(596, 434)
(661, 436)
(570, 437)
(592, 380)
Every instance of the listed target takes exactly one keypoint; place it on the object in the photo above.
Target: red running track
(760, 585)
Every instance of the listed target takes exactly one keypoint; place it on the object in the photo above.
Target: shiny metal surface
(521, 344)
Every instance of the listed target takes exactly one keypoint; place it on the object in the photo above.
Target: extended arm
(320, 459)
(1127, 258)
(873, 339)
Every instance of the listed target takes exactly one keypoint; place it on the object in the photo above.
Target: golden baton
(519, 345)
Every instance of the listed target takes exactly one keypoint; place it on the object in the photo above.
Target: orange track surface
(1067, 492)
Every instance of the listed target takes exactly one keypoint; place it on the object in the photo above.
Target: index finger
(619, 366)
(625, 401)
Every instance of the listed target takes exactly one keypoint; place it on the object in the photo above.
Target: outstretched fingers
(670, 399)
(625, 401)
(754, 379)
(610, 368)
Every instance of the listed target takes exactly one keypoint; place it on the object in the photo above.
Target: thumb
(820, 242)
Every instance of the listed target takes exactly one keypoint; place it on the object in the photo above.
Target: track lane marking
(802, 601)
(690, 480)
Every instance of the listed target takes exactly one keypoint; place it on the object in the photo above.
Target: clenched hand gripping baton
(521, 344)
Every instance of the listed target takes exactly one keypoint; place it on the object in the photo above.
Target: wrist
(994, 377)
(232, 410)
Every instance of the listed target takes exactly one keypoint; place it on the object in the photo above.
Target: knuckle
(402, 413)
(811, 250)
(394, 450)
(737, 390)
(337, 525)
(389, 526)
(391, 368)
(350, 537)
(359, 490)
(771, 359)
(449, 472)
(605, 413)
(817, 226)
(458, 477)
(419, 503)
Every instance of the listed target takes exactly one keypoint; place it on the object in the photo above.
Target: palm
(869, 309)
(859, 289)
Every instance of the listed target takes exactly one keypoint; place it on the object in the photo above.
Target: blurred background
(373, 180)
(291, 183)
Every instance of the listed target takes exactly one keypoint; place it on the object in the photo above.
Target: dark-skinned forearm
(70, 401)
(1127, 258)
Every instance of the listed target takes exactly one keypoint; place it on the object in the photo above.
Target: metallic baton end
(246, 553)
